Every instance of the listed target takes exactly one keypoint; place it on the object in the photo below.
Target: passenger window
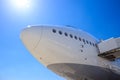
(75, 37)
(71, 36)
(93, 44)
(84, 40)
(81, 50)
(54, 31)
(96, 45)
(82, 46)
(66, 34)
(60, 32)
(79, 39)
(90, 43)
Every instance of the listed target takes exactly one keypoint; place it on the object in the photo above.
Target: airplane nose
(31, 36)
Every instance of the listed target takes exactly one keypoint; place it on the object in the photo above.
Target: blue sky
(100, 18)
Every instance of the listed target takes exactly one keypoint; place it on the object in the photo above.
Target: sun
(21, 4)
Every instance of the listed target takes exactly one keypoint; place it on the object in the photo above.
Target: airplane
(73, 53)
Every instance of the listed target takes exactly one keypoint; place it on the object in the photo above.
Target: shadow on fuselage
(83, 72)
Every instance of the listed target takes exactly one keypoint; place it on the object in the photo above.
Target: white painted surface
(109, 44)
(51, 48)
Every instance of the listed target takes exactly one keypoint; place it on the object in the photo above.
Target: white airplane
(73, 54)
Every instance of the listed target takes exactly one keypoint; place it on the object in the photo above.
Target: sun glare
(21, 4)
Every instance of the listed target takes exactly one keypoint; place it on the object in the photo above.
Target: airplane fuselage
(68, 52)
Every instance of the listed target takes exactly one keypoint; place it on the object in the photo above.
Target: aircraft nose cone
(31, 36)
